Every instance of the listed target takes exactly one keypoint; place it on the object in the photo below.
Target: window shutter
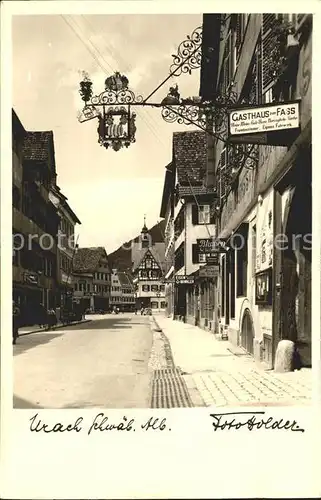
(269, 23)
(194, 214)
(223, 173)
(194, 254)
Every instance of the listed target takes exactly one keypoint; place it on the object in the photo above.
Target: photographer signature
(251, 421)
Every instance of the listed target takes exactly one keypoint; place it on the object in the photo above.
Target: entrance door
(295, 311)
(247, 332)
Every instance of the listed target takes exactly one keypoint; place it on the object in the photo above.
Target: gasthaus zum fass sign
(271, 117)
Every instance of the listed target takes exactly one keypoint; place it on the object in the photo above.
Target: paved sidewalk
(224, 375)
(27, 330)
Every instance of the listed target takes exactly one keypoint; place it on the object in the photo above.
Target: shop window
(154, 305)
(163, 305)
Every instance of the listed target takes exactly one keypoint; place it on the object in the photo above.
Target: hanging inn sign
(274, 124)
(270, 124)
(113, 107)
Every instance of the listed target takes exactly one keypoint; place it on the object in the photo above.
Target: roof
(122, 258)
(18, 129)
(87, 259)
(157, 251)
(64, 204)
(190, 156)
(195, 191)
(124, 279)
(37, 145)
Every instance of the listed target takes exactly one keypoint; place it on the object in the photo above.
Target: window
(241, 24)
(145, 288)
(163, 305)
(241, 263)
(154, 288)
(222, 174)
(232, 271)
(202, 258)
(154, 274)
(253, 250)
(154, 305)
(162, 288)
(179, 257)
(223, 286)
(204, 214)
(88, 287)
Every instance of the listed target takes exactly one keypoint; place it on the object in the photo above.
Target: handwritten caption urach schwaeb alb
(100, 423)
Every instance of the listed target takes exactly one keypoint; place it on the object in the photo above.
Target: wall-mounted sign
(263, 287)
(209, 271)
(184, 280)
(211, 246)
(270, 117)
(213, 259)
(31, 278)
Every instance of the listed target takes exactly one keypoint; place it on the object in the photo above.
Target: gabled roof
(87, 259)
(190, 156)
(154, 255)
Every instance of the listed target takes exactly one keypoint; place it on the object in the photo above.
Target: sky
(109, 191)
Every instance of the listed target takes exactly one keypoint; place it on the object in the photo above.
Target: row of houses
(43, 224)
(228, 206)
(49, 268)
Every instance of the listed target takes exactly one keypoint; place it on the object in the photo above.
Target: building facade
(186, 206)
(148, 271)
(92, 278)
(263, 211)
(66, 245)
(34, 221)
(115, 290)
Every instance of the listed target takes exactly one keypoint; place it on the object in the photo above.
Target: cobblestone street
(216, 373)
(132, 361)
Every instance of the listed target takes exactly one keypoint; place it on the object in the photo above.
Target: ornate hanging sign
(116, 128)
(116, 123)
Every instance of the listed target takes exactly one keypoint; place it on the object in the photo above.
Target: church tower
(145, 236)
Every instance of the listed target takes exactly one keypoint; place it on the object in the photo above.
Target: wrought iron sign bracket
(113, 106)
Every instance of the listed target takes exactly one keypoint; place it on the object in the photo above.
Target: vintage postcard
(160, 256)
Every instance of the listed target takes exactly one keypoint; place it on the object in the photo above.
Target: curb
(55, 327)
